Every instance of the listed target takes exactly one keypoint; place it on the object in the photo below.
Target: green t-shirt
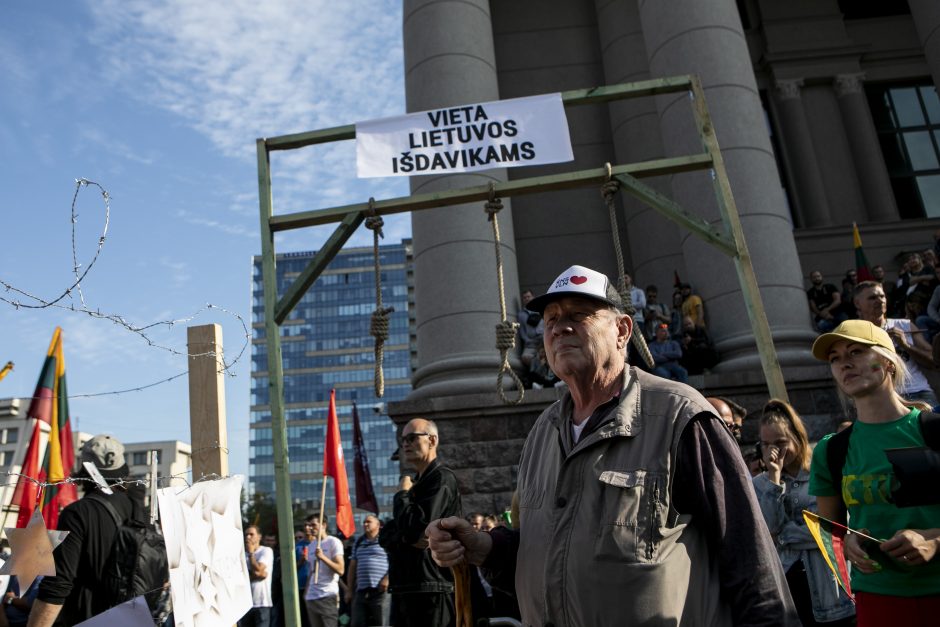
(866, 488)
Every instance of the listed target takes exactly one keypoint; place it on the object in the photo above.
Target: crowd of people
(605, 497)
(607, 494)
(636, 502)
(677, 335)
(913, 295)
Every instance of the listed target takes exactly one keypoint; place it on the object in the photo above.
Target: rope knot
(610, 189)
(506, 335)
(492, 207)
(378, 325)
(375, 223)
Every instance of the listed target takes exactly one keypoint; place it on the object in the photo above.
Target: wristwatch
(8, 601)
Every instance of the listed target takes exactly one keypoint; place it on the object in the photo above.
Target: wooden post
(207, 401)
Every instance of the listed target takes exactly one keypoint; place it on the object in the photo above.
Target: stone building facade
(812, 102)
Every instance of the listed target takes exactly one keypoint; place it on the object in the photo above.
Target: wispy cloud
(115, 146)
(239, 70)
(231, 229)
(179, 271)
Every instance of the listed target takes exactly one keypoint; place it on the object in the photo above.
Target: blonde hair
(900, 377)
(778, 412)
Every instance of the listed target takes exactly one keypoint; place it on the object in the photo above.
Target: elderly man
(908, 340)
(635, 504)
(422, 592)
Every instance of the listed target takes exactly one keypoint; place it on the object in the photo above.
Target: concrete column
(694, 37)
(798, 145)
(866, 151)
(450, 60)
(926, 14)
(655, 244)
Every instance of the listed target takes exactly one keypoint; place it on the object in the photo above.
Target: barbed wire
(143, 482)
(37, 302)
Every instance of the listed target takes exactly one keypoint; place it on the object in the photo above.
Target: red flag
(365, 495)
(50, 405)
(334, 465)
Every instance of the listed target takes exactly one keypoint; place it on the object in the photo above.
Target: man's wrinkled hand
(452, 541)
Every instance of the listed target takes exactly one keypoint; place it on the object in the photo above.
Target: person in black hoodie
(76, 592)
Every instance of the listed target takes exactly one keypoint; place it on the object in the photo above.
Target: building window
(139, 458)
(12, 435)
(867, 9)
(907, 118)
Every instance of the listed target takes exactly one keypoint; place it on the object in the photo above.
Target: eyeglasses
(411, 438)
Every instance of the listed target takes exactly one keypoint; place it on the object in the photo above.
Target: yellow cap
(860, 331)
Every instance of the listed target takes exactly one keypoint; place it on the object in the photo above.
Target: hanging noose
(506, 329)
(378, 326)
(609, 192)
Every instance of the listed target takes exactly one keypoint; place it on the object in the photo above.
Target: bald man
(728, 415)
(422, 591)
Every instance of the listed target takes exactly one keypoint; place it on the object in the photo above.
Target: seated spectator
(638, 298)
(675, 317)
(890, 287)
(824, 303)
(929, 257)
(692, 306)
(657, 313)
(848, 292)
(540, 375)
(666, 355)
(920, 278)
(698, 351)
(530, 330)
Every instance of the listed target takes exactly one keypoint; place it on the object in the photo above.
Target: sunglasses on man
(411, 438)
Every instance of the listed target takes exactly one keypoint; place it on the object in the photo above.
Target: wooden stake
(207, 401)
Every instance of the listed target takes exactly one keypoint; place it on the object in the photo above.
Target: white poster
(205, 547)
(500, 134)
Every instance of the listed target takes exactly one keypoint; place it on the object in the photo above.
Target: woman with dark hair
(782, 491)
(896, 581)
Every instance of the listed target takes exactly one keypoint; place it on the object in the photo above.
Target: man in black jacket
(422, 591)
(72, 595)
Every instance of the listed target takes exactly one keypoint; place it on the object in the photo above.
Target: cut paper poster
(133, 613)
(32, 548)
(206, 552)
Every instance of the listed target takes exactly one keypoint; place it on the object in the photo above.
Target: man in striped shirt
(368, 577)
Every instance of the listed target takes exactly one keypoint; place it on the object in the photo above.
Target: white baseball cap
(578, 281)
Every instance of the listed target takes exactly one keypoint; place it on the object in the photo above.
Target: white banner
(500, 134)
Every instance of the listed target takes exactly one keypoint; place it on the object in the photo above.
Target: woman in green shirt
(901, 584)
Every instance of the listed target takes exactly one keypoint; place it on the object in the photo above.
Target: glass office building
(326, 345)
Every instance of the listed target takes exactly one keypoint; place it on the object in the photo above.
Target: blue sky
(160, 103)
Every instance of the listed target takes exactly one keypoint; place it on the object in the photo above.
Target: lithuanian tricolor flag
(861, 262)
(49, 405)
(830, 537)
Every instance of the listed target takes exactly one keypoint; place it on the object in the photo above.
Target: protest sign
(466, 138)
(206, 552)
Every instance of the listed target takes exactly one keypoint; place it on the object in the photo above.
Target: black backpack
(137, 564)
(908, 493)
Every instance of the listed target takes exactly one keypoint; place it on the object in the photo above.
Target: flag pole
(316, 567)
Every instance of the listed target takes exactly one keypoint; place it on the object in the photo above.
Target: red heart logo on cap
(578, 280)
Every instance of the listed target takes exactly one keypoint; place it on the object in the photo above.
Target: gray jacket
(600, 541)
